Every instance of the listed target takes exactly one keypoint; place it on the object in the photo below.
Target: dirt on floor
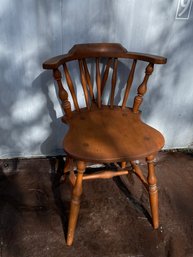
(114, 216)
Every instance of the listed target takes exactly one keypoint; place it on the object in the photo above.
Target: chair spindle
(106, 73)
(84, 85)
(63, 95)
(71, 86)
(129, 83)
(142, 88)
(98, 82)
(88, 79)
(114, 80)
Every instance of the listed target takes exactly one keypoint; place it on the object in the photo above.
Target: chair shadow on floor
(136, 204)
(62, 202)
(63, 205)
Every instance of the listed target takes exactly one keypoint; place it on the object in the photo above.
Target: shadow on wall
(25, 101)
(53, 143)
(165, 81)
(22, 119)
(168, 105)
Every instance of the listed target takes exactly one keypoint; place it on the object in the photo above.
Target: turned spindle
(63, 95)
(142, 88)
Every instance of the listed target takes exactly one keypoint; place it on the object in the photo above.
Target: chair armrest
(156, 59)
(55, 62)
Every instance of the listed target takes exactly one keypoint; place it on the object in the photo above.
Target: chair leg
(67, 164)
(153, 191)
(123, 165)
(75, 203)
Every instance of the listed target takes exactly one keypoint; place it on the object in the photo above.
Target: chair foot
(75, 203)
(153, 191)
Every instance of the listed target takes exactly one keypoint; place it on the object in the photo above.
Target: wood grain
(109, 50)
(106, 135)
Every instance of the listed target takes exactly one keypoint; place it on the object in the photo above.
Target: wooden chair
(105, 133)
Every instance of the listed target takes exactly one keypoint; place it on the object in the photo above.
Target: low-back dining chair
(101, 131)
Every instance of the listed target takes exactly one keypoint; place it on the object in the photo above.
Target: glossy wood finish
(75, 202)
(105, 135)
(142, 88)
(105, 174)
(153, 191)
(101, 133)
(100, 50)
(63, 95)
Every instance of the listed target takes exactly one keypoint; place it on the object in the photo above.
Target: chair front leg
(75, 203)
(153, 191)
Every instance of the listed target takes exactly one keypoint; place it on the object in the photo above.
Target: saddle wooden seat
(106, 135)
(101, 131)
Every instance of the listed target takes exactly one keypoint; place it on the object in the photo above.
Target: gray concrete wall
(33, 30)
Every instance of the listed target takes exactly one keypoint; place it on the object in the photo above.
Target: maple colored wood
(142, 89)
(72, 177)
(106, 73)
(98, 82)
(123, 165)
(63, 95)
(83, 81)
(88, 79)
(129, 83)
(105, 174)
(100, 50)
(71, 86)
(153, 191)
(99, 133)
(139, 173)
(114, 80)
(75, 202)
(106, 135)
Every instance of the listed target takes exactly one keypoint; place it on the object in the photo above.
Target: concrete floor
(114, 217)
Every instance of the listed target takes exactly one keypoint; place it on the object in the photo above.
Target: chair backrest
(104, 56)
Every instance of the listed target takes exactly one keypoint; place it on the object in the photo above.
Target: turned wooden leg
(75, 203)
(153, 191)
